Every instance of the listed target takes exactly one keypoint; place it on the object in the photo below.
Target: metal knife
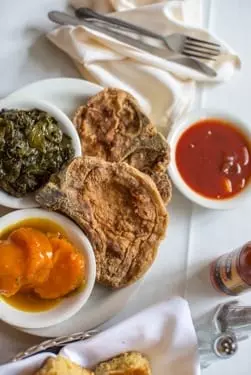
(62, 18)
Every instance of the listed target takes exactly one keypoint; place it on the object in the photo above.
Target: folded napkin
(164, 89)
(164, 333)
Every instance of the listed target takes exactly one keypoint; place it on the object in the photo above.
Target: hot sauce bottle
(231, 273)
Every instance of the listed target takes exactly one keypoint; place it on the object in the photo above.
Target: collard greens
(32, 147)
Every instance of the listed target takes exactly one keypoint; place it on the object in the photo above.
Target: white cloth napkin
(164, 333)
(164, 89)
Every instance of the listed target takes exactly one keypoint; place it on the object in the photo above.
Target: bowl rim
(178, 129)
(66, 125)
(69, 306)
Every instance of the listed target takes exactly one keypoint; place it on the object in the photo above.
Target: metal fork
(104, 28)
(179, 43)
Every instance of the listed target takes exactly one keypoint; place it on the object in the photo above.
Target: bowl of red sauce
(211, 159)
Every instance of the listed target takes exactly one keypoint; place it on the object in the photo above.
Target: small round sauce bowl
(66, 306)
(179, 129)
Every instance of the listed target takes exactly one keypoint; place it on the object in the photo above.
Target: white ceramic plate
(67, 94)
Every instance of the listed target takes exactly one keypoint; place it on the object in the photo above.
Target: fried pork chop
(112, 126)
(120, 210)
(132, 363)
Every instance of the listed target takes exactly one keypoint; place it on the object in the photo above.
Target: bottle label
(225, 276)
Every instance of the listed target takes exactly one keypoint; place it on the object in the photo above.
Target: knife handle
(110, 31)
(52, 344)
(63, 18)
(89, 15)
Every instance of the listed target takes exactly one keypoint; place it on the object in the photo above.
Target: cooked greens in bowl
(32, 147)
(36, 139)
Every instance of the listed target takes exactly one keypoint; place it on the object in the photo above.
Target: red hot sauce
(213, 158)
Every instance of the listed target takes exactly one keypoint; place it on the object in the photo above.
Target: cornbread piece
(132, 363)
(120, 210)
(62, 366)
(112, 126)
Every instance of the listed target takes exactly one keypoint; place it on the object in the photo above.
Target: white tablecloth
(195, 235)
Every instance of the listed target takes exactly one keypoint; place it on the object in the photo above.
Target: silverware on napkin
(164, 53)
(180, 43)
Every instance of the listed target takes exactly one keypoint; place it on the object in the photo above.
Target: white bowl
(69, 305)
(176, 177)
(65, 124)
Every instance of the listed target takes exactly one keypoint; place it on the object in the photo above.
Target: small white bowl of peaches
(47, 268)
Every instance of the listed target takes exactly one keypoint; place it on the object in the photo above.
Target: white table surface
(195, 235)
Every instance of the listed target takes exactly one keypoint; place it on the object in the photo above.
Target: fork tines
(201, 49)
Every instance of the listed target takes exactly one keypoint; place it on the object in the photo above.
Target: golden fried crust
(109, 123)
(132, 363)
(112, 126)
(62, 366)
(118, 207)
(163, 183)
